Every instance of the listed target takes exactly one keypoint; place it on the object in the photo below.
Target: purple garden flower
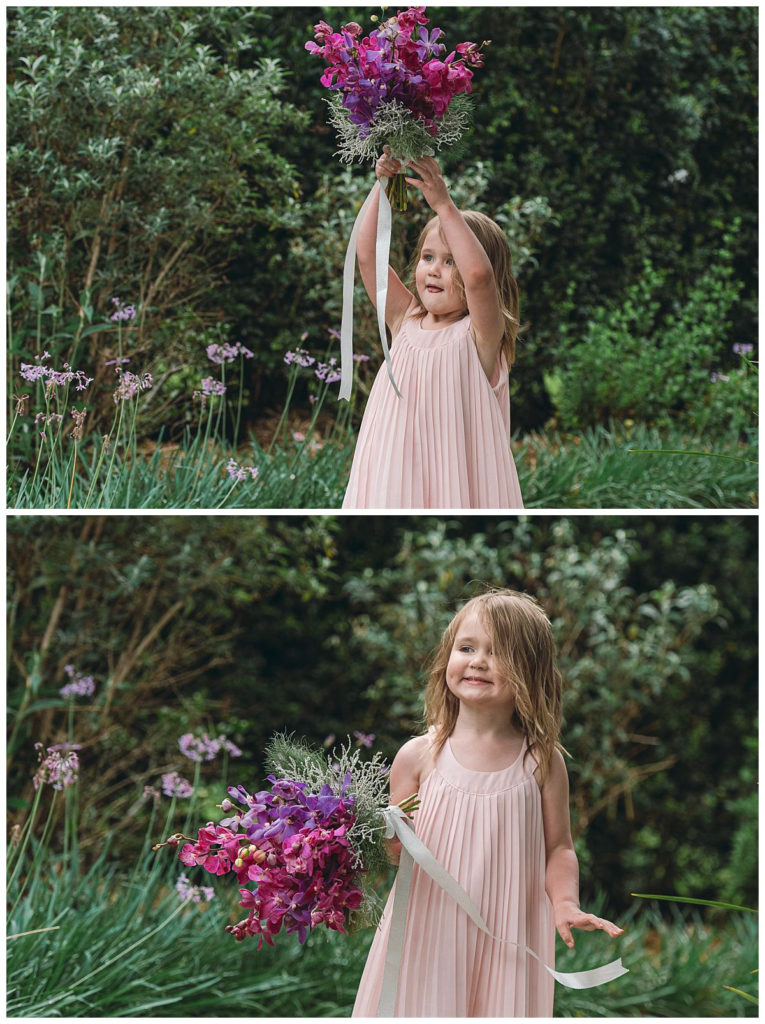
(59, 767)
(364, 739)
(741, 348)
(130, 384)
(715, 377)
(211, 386)
(227, 353)
(122, 312)
(80, 685)
(237, 472)
(36, 371)
(174, 785)
(205, 749)
(300, 356)
(187, 891)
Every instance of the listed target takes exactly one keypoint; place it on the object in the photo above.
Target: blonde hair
(523, 644)
(492, 238)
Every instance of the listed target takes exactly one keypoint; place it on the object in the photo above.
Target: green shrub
(646, 360)
(140, 145)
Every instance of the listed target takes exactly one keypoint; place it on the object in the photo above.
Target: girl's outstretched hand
(386, 166)
(569, 915)
(431, 182)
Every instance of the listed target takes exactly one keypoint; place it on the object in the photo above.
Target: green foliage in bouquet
(395, 126)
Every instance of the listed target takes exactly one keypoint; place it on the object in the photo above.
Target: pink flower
(408, 20)
(217, 862)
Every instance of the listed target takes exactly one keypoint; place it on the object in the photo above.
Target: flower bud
(238, 863)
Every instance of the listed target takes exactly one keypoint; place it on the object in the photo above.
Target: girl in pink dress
(446, 442)
(494, 811)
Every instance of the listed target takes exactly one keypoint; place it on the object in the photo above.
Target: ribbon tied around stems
(382, 251)
(413, 849)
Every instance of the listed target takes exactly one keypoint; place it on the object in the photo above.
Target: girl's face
(472, 672)
(434, 277)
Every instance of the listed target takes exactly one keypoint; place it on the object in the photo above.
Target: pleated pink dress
(486, 829)
(446, 442)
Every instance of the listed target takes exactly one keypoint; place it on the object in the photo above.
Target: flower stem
(290, 391)
(42, 847)
(114, 452)
(396, 191)
(28, 831)
(239, 397)
(71, 485)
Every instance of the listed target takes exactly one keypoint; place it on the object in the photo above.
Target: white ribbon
(413, 849)
(382, 252)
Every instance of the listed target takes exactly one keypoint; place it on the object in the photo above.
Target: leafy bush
(645, 360)
(139, 148)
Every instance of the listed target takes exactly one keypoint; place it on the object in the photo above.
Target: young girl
(446, 442)
(494, 811)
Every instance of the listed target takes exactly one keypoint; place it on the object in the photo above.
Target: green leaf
(688, 899)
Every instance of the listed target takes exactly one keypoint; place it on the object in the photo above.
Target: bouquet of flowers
(306, 845)
(394, 86)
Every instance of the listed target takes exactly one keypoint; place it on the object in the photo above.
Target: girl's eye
(450, 263)
(466, 649)
(427, 258)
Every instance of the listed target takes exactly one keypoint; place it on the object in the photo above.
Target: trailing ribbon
(413, 849)
(382, 251)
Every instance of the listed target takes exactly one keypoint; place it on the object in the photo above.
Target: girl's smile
(472, 672)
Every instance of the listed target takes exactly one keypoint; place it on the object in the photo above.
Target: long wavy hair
(523, 644)
(492, 238)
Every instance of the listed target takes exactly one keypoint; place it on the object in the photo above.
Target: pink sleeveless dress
(446, 442)
(486, 829)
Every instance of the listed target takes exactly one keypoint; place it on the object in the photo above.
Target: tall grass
(637, 468)
(598, 469)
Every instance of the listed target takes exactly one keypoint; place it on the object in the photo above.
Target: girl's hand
(569, 915)
(386, 166)
(431, 182)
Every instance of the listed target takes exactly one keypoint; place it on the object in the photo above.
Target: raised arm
(399, 297)
(471, 261)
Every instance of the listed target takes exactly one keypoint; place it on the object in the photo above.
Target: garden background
(241, 626)
(173, 168)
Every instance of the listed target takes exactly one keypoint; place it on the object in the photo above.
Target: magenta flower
(399, 62)
(215, 850)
